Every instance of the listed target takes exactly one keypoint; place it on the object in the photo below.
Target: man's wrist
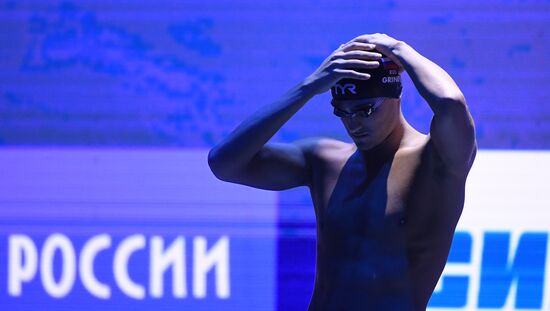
(398, 47)
(398, 50)
(307, 88)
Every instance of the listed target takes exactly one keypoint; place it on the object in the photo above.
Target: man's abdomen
(378, 280)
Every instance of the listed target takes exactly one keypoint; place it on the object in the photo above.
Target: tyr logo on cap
(340, 89)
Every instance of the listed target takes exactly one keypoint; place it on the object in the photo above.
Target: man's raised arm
(452, 129)
(246, 157)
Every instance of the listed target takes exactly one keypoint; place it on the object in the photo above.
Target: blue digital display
(526, 268)
(140, 228)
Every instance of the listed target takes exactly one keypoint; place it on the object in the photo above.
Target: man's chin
(364, 143)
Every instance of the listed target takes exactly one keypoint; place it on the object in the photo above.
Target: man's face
(367, 131)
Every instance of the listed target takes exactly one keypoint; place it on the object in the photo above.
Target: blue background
(182, 74)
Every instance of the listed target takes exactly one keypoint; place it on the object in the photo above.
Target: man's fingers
(352, 74)
(355, 64)
(365, 38)
(357, 54)
(355, 45)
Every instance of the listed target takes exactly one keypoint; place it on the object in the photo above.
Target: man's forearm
(431, 81)
(253, 133)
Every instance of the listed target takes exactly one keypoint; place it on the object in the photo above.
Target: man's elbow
(456, 97)
(217, 165)
(453, 104)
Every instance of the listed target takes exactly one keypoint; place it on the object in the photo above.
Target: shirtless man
(387, 204)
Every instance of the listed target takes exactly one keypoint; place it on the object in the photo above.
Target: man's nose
(355, 124)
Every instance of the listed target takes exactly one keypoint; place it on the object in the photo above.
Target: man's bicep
(453, 134)
(277, 167)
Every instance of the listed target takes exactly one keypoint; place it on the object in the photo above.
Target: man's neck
(376, 157)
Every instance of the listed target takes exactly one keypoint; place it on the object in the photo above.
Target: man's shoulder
(420, 151)
(461, 172)
(320, 146)
(323, 150)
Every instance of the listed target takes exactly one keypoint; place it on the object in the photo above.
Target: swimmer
(386, 204)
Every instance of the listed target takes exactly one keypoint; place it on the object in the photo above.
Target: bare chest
(360, 201)
(409, 195)
(395, 223)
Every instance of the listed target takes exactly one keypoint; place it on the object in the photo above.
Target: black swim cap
(385, 81)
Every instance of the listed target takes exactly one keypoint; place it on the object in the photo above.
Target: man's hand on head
(344, 63)
(383, 43)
